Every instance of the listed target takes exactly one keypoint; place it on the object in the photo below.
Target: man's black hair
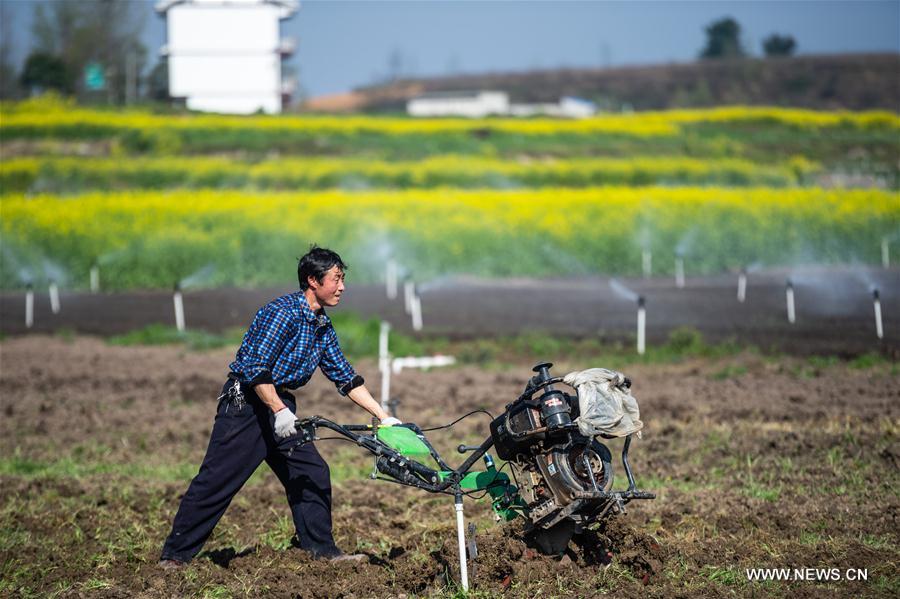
(315, 263)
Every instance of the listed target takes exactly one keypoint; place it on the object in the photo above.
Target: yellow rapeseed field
(158, 235)
(52, 114)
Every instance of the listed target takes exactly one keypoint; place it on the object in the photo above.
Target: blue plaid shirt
(285, 344)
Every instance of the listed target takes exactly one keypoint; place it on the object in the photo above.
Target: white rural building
(485, 103)
(468, 104)
(568, 107)
(225, 55)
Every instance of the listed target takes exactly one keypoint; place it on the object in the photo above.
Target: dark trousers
(242, 437)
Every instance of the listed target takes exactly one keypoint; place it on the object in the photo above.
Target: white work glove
(285, 423)
(390, 421)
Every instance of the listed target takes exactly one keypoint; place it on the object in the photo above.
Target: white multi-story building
(225, 55)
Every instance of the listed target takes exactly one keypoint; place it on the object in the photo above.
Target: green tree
(779, 45)
(723, 40)
(102, 31)
(43, 72)
(158, 81)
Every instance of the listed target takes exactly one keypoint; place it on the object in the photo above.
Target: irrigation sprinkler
(789, 298)
(387, 366)
(29, 306)
(679, 271)
(641, 325)
(416, 310)
(876, 302)
(390, 278)
(54, 297)
(95, 278)
(647, 263)
(742, 285)
(408, 291)
(885, 253)
(179, 308)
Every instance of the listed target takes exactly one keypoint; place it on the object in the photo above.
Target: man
(255, 419)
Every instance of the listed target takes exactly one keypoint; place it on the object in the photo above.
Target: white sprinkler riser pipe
(386, 384)
(95, 279)
(54, 298)
(641, 330)
(383, 334)
(789, 296)
(390, 279)
(408, 287)
(679, 272)
(742, 288)
(384, 363)
(878, 328)
(29, 309)
(179, 311)
(647, 263)
(461, 537)
(416, 313)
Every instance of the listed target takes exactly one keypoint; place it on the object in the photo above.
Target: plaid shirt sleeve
(336, 367)
(263, 343)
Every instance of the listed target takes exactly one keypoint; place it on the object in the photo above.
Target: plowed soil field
(756, 462)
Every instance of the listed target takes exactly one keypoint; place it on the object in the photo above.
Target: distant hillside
(851, 81)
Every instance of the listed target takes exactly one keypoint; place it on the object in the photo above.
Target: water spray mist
(29, 306)
(54, 297)
(679, 271)
(789, 298)
(876, 301)
(885, 253)
(647, 263)
(742, 285)
(179, 308)
(641, 325)
(95, 278)
(390, 278)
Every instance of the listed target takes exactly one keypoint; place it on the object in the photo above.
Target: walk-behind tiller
(563, 474)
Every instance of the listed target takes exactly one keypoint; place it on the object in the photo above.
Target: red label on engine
(553, 401)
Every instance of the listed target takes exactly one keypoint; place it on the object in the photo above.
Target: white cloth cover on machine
(605, 403)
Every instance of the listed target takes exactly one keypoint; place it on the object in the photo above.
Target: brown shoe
(348, 557)
(170, 564)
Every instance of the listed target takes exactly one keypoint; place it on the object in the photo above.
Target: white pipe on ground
(742, 286)
(461, 538)
(679, 272)
(390, 278)
(29, 307)
(789, 298)
(647, 263)
(54, 297)
(95, 279)
(398, 364)
(641, 326)
(179, 309)
(876, 301)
